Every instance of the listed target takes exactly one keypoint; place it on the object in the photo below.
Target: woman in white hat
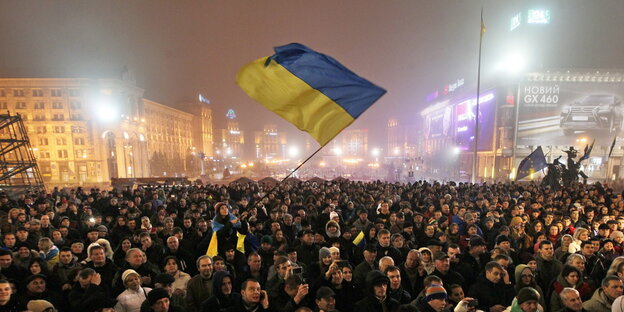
(130, 300)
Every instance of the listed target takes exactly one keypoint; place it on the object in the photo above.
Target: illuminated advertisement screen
(538, 17)
(465, 118)
(439, 124)
(563, 113)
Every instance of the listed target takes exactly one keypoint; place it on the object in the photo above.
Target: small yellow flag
(213, 248)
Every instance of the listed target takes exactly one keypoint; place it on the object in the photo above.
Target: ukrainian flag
(311, 90)
(360, 240)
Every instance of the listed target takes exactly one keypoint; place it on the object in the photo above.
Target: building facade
(86, 131)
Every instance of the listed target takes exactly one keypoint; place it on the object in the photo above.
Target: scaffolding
(18, 166)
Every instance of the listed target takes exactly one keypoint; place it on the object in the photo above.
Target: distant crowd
(329, 246)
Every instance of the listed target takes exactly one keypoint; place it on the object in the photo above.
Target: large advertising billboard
(465, 117)
(563, 113)
(438, 123)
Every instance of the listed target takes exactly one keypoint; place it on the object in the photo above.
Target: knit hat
(157, 294)
(332, 215)
(323, 253)
(39, 305)
(526, 294)
(266, 239)
(127, 273)
(435, 291)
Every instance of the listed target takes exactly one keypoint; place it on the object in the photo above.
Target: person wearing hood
(376, 298)
(494, 289)
(130, 300)
(434, 299)
(317, 271)
(525, 278)
(222, 295)
(332, 229)
(570, 277)
(603, 297)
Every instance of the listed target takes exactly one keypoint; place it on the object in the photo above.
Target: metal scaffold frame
(18, 166)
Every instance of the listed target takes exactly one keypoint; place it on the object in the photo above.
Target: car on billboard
(592, 112)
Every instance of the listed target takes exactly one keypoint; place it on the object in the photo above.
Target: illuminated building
(270, 143)
(230, 141)
(90, 130)
(354, 142)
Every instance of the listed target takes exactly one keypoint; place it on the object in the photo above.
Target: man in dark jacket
(292, 295)
(548, 267)
(253, 298)
(443, 270)
(395, 290)
(103, 266)
(376, 299)
(87, 292)
(494, 289)
(222, 296)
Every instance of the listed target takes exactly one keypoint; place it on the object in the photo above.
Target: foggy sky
(177, 49)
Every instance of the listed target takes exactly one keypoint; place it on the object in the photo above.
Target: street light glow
(375, 152)
(293, 151)
(338, 151)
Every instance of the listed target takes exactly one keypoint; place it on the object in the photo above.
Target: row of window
(64, 154)
(40, 93)
(60, 129)
(42, 105)
(61, 141)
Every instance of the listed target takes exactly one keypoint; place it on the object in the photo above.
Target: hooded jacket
(332, 235)
(220, 301)
(598, 302)
(370, 303)
(518, 282)
(585, 291)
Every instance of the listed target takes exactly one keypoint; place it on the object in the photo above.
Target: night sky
(177, 49)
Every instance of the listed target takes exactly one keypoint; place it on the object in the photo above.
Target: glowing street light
(456, 150)
(338, 151)
(376, 152)
(293, 151)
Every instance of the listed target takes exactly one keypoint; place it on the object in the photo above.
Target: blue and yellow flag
(311, 90)
(360, 240)
(534, 162)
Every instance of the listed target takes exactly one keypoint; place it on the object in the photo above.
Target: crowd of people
(336, 246)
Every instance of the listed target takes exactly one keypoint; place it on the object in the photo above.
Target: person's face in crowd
(572, 300)
(229, 254)
(504, 263)
(219, 265)
(251, 293)
(471, 230)
(613, 289)
(457, 294)
(437, 305)
(126, 245)
(132, 224)
(77, 248)
(572, 278)
(395, 279)
(454, 254)
(173, 243)
(45, 221)
(566, 241)
(188, 223)
(583, 236)
(133, 281)
(171, 266)
(35, 268)
(533, 265)
(547, 252)
(347, 274)
(93, 236)
(254, 262)
(327, 304)
(587, 250)
(443, 265)
(9, 240)
(22, 235)
(398, 242)
(283, 269)
(553, 230)
(5, 292)
(369, 256)
(205, 267)
(146, 241)
(135, 258)
(529, 306)
(608, 246)
(384, 240)
(308, 239)
(430, 230)
(162, 305)
(23, 252)
(65, 257)
(5, 261)
(526, 276)
(335, 255)
(505, 245)
(426, 256)
(337, 277)
(595, 245)
(226, 285)
(379, 290)
(98, 257)
(494, 275)
(37, 286)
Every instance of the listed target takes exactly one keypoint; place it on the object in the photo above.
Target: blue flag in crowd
(534, 162)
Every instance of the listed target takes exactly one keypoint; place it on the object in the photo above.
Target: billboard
(438, 123)
(465, 120)
(564, 112)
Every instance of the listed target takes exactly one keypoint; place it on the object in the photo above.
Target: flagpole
(293, 171)
(475, 163)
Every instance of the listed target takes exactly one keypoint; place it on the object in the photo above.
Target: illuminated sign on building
(465, 118)
(448, 89)
(538, 17)
(515, 21)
